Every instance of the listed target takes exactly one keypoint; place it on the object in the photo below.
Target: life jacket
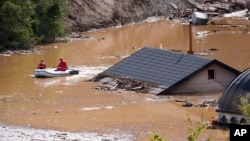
(41, 66)
(62, 66)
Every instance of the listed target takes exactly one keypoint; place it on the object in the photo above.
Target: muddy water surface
(72, 104)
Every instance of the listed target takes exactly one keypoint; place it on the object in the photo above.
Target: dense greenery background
(24, 23)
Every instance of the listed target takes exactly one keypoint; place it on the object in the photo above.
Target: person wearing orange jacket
(62, 66)
(41, 65)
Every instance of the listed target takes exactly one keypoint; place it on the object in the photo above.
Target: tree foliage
(244, 105)
(195, 129)
(49, 22)
(23, 23)
(156, 137)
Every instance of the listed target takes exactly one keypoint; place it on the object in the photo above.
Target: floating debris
(210, 9)
(213, 49)
(199, 18)
(187, 104)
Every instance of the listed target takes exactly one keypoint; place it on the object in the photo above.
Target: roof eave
(233, 70)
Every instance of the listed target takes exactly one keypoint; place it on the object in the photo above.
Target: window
(211, 74)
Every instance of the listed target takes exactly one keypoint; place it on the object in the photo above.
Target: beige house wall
(200, 82)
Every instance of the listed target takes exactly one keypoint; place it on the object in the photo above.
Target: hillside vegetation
(23, 24)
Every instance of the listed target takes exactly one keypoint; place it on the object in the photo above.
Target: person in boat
(62, 66)
(41, 65)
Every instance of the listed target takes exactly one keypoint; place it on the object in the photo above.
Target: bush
(156, 137)
(195, 129)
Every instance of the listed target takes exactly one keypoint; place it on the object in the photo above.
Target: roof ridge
(179, 53)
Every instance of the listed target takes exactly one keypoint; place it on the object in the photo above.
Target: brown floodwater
(73, 104)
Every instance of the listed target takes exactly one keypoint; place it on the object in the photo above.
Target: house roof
(230, 99)
(163, 67)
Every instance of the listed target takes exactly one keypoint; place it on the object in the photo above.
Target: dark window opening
(211, 74)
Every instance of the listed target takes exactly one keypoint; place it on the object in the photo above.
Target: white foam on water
(17, 133)
(156, 99)
(91, 108)
(109, 107)
(96, 108)
(90, 71)
(86, 73)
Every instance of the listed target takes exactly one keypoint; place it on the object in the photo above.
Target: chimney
(190, 51)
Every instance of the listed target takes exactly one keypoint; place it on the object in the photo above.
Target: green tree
(49, 19)
(24, 23)
(16, 23)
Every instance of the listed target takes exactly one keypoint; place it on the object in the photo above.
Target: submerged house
(228, 111)
(158, 71)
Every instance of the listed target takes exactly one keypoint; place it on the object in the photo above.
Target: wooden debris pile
(204, 103)
(213, 8)
(118, 83)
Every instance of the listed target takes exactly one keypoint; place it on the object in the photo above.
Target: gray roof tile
(158, 66)
(162, 67)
